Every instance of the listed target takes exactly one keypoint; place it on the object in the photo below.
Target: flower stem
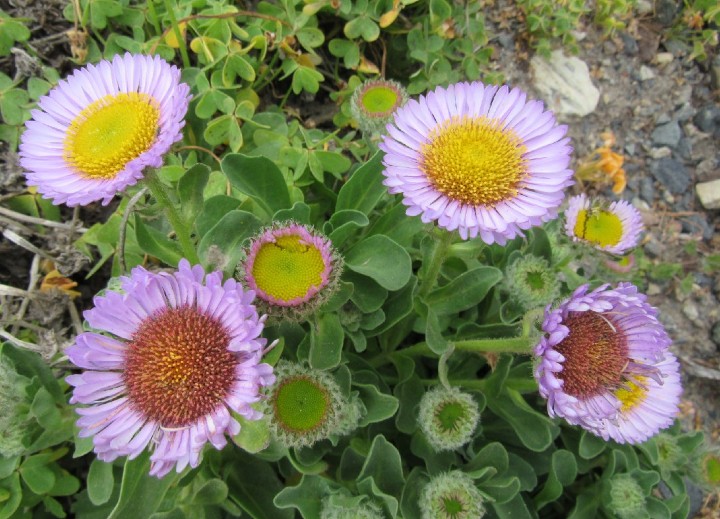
(182, 231)
(440, 250)
(523, 345)
(178, 34)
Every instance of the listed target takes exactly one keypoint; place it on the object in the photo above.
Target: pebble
(665, 11)
(644, 7)
(565, 84)
(629, 44)
(684, 113)
(663, 58)
(671, 173)
(684, 148)
(715, 334)
(640, 204)
(691, 311)
(659, 153)
(647, 189)
(715, 73)
(630, 148)
(709, 194)
(667, 135)
(654, 249)
(653, 288)
(697, 224)
(707, 119)
(646, 73)
(506, 40)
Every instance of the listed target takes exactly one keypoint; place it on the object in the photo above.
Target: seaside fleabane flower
(604, 364)
(615, 228)
(95, 132)
(292, 268)
(182, 352)
(479, 159)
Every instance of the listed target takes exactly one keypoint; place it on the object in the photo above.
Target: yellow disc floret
(288, 268)
(111, 132)
(632, 393)
(474, 161)
(599, 227)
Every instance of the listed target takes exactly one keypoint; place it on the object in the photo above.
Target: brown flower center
(178, 367)
(595, 352)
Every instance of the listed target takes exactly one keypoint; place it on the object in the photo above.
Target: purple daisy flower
(613, 229)
(183, 353)
(96, 131)
(478, 158)
(604, 364)
(290, 265)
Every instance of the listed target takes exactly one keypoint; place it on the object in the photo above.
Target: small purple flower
(182, 353)
(604, 364)
(478, 159)
(614, 229)
(95, 132)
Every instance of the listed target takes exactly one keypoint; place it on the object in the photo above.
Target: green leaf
(307, 79)
(411, 493)
(367, 295)
(397, 307)
(252, 485)
(563, 470)
(326, 342)
(213, 492)
(300, 212)
(213, 211)
(346, 223)
(221, 248)
(307, 496)
(384, 466)
(100, 482)
(381, 259)
(492, 455)
(37, 476)
(502, 490)
(310, 37)
(380, 406)
(260, 179)
(364, 189)
(586, 505)
(190, 190)
(362, 26)
(513, 509)
(397, 226)
(140, 493)
(591, 446)
(465, 291)
(534, 430)
(12, 487)
(157, 244)
(254, 435)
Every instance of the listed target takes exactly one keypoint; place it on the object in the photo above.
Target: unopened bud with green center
(448, 418)
(531, 282)
(452, 495)
(374, 103)
(364, 510)
(306, 405)
(14, 407)
(293, 270)
(627, 498)
(670, 455)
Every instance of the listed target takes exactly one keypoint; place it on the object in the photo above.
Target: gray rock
(665, 11)
(565, 84)
(715, 334)
(702, 280)
(663, 118)
(647, 190)
(707, 118)
(629, 43)
(667, 134)
(671, 173)
(654, 249)
(677, 47)
(630, 148)
(715, 73)
(506, 40)
(697, 224)
(684, 148)
(645, 73)
(684, 114)
(695, 495)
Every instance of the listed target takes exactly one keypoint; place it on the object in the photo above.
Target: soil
(646, 80)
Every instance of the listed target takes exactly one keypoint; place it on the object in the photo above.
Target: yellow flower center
(111, 132)
(288, 268)
(380, 99)
(474, 161)
(632, 394)
(599, 227)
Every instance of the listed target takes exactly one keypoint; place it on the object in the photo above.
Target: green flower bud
(452, 495)
(374, 103)
(531, 282)
(627, 498)
(670, 455)
(306, 405)
(448, 418)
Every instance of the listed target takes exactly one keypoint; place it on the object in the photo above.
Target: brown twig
(200, 148)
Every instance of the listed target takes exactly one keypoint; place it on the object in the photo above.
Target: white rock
(646, 73)
(660, 153)
(709, 194)
(663, 58)
(565, 85)
(644, 7)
